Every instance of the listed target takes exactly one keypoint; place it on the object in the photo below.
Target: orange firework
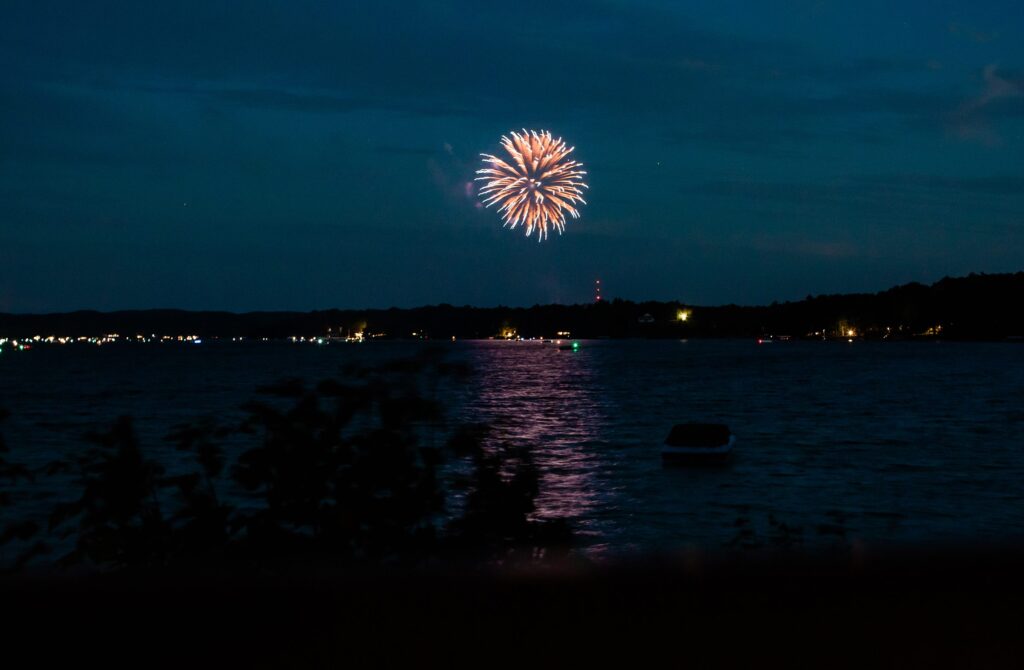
(538, 186)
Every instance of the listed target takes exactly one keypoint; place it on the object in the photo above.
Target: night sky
(307, 155)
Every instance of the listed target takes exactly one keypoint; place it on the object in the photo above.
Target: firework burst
(538, 186)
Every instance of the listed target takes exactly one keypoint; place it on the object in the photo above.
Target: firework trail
(538, 186)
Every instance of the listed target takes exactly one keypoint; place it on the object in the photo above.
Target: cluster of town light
(109, 338)
(843, 330)
(322, 339)
(23, 343)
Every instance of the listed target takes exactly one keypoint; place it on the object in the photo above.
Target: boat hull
(717, 454)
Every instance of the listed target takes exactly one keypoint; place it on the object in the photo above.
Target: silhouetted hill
(979, 306)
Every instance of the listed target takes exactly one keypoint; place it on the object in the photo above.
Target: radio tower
(597, 291)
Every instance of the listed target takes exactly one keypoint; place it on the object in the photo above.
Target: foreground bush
(365, 470)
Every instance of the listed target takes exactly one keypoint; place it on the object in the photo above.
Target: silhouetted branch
(338, 471)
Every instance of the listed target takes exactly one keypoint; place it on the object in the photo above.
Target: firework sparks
(538, 187)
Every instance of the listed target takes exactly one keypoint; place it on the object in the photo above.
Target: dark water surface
(872, 442)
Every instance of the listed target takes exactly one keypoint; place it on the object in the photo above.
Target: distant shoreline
(976, 307)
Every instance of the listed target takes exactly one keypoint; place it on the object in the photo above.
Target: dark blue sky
(299, 155)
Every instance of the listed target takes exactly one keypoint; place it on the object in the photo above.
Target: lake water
(878, 443)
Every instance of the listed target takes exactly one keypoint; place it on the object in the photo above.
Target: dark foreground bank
(912, 609)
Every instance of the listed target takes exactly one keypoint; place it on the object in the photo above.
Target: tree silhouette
(364, 470)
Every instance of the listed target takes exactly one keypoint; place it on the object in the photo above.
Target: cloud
(873, 185)
(911, 202)
(1003, 185)
(323, 103)
(788, 244)
(405, 151)
(972, 33)
(435, 60)
(996, 88)
(972, 119)
(773, 137)
(363, 115)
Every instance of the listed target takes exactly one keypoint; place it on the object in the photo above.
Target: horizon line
(500, 306)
